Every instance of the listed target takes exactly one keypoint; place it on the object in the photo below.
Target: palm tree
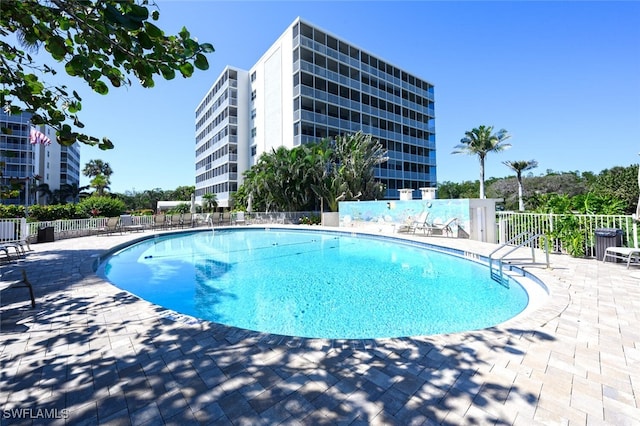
(100, 183)
(481, 141)
(519, 167)
(72, 191)
(97, 167)
(210, 201)
(43, 190)
(100, 173)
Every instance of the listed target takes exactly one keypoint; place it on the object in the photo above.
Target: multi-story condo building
(30, 165)
(311, 85)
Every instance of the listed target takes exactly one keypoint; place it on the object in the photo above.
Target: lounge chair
(622, 253)
(112, 225)
(442, 228)
(186, 220)
(174, 220)
(418, 223)
(24, 282)
(126, 223)
(159, 221)
(239, 219)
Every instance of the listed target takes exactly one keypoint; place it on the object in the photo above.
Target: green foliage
(619, 183)
(11, 210)
(101, 206)
(38, 213)
(465, 189)
(181, 193)
(103, 43)
(328, 170)
(210, 202)
(180, 209)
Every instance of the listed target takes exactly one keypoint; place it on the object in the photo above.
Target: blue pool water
(313, 284)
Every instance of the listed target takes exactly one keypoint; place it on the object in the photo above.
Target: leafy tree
(181, 193)
(519, 167)
(620, 183)
(100, 42)
(465, 189)
(481, 141)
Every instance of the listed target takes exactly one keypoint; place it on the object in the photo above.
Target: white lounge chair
(419, 222)
(442, 228)
(623, 253)
(239, 218)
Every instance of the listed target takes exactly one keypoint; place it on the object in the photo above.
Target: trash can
(607, 237)
(45, 235)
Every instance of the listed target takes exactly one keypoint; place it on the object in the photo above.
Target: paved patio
(90, 353)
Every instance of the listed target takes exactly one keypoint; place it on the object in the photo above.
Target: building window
(254, 131)
(253, 76)
(253, 113)
(254, 150)
(253, 95)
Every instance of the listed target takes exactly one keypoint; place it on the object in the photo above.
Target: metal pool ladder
(496, 262)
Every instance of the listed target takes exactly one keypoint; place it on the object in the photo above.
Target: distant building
(311, 85)
(29, 165)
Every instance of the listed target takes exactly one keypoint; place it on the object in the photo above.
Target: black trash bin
(607, 237)
(45, 235)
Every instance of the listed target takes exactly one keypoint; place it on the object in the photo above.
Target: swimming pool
(313, 284)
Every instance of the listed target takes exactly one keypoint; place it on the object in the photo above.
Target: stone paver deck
(90, 353)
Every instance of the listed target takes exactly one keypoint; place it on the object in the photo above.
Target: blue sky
(562, 77)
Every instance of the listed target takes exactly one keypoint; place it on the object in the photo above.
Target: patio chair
(442, 228)
(126, 223)
(112, 225)
(24, 282)
(239, 219)
(626, 254)
(419, 222)
(159, 221)
(186, 219)
(174, 220)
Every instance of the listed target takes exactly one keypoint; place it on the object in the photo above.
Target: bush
(40, 213)
(101, 206)
(11, 210)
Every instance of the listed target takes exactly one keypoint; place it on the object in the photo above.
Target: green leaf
(145, 41)
(74, 107)
(207, 48)
(201, 62)
(138, 12)
(152, 30)
(184, 33)
(57, 47)
(167, 72)
(100, 87)
(186, 69)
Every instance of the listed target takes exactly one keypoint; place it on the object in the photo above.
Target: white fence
(511, 224)
(19, 229)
